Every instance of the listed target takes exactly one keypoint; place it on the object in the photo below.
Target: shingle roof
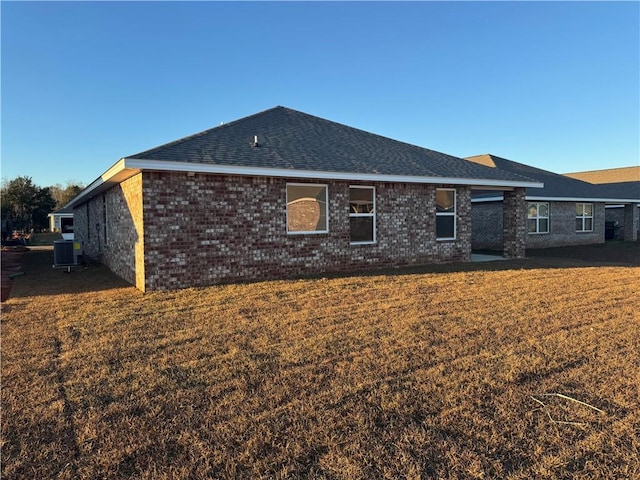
(608, 175)
(289, 139)
(629, 190)
(559, 186)
(63, 210)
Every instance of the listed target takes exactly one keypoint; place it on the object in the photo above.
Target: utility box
(66, 253)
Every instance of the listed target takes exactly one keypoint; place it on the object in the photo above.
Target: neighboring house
(282, 193)
(609, 175)
(62, 221)
(565, 212)
(618, 180)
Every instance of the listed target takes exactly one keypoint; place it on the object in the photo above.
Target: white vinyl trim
(453, 214)
(319, 175)
(559, 199)
(582, 199)
(127, 167)
(372, 215)
(326, 208)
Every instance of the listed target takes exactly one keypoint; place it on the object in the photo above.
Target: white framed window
(584, 217)
(362, 215)
(538, 217)
(445, 214)
(307, 208)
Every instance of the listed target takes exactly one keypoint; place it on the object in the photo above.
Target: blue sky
(552, 84)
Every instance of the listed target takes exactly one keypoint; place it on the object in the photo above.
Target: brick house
(281, 194)
(567, 211)
(616, 181)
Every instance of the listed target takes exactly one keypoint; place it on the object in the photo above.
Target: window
(445, 214)
(538, 218)
(584, 217)
(362, 215)
(66, 225)
(307, 208)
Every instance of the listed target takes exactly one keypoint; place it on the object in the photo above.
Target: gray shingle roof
(289, 139)
(556, 185)
(619, 190)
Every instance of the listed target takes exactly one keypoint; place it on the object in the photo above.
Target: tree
(45, 204)
(26, 205)
(63, 195)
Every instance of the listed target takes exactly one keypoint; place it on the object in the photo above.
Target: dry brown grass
(422, 374)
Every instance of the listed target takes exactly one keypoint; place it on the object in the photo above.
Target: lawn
(442, 372)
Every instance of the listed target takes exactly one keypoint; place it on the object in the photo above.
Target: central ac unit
(66, 253)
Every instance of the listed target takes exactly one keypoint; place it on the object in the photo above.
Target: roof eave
(583, 199)
(173, 166)
(561, 199)
(127, 167)
(119, 172)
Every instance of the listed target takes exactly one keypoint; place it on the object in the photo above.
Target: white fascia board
(127, 167)
(117, 173)
(86, 193)
(487, 199)
(582, 199)
(168, 166)
(558, 199)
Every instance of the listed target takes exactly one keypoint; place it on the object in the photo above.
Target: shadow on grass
(42, 279)
(530, 263)
(616, 251)
(610, 254)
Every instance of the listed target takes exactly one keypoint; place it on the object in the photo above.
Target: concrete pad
(479, 257)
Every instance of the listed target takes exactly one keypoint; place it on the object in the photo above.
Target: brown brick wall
(562, 227)
(205, 229)
(196, 230)
(631, 223)
(514, 223)
(487, 221)
(118, 242)
(620, 215)
(488, 226)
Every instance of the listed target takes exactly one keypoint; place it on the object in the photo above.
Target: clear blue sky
(552, 84)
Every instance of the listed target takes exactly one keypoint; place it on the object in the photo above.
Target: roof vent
(255, 141)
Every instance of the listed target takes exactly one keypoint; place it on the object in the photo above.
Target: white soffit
(128, 167)
(138, 164)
